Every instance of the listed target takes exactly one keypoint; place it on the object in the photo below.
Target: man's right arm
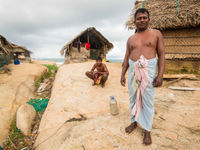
(125, 64)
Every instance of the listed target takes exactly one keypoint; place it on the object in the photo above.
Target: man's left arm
(161, 59)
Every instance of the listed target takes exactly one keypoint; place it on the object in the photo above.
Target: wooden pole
(88, 38)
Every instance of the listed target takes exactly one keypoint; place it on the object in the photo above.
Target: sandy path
(175, 126)
(16, 89)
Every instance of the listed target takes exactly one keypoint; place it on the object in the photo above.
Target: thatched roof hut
(99, 45)
(11, 49)
(179, 22)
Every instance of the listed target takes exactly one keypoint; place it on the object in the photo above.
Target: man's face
(142, 21)
(99, 62)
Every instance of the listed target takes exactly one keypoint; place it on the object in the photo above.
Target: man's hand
(123, 81)
(157, 81)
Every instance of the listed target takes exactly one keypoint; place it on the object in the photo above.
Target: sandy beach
(175, 125)
(48, 102)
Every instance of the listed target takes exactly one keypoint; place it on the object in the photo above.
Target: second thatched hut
(99, 46)
(179, 22)
(9, 50)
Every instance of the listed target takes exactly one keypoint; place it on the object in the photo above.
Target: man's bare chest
(143, 41)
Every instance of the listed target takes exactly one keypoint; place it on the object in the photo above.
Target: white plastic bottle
(113, 106)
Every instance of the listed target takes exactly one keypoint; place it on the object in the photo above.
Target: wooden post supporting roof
(88, 37)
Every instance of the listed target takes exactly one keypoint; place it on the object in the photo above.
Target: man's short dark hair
(141, 10)
(99, 58)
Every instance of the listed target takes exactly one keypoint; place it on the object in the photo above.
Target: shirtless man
(101, 70)
(143, 46)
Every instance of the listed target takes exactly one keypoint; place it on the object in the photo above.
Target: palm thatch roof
(92, 31)
(2, 49)
(8, 47)
(169, 14)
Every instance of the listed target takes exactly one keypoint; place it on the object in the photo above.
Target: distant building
(9, 51)
(180, 25)
(89, 44)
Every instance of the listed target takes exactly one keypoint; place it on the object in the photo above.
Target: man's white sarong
(142, 110)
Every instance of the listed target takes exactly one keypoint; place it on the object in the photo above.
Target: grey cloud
(46, 25)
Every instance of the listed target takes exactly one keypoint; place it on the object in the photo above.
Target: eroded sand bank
(16, 89)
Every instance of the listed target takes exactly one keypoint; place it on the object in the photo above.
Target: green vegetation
(15, 136)
(52, 69)
(16, 140)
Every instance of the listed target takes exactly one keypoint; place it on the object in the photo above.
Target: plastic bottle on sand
(113, 106)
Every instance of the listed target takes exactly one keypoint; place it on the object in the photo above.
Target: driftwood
(180, 76)
(184, 88)
(171, 82)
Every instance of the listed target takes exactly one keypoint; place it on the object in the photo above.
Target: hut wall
(84, 54)
(182, 47)
(182, 41)
(182, 66)
(94, 53)
(81, 56)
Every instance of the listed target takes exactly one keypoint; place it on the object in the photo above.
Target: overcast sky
(45, 26)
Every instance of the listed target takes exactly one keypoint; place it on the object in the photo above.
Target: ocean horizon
(115, 60)
(60, 61)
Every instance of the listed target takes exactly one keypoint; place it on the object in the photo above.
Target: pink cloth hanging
(142, 78)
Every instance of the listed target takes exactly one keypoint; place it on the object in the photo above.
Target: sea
(115, 60)
(60, 61)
